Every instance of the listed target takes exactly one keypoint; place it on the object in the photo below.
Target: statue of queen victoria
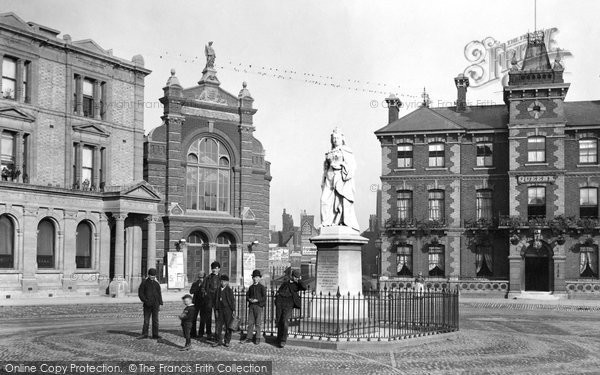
(337, 185)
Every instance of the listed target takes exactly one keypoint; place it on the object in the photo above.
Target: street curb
(374, 345)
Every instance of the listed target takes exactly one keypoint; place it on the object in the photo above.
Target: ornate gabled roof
(211, 94)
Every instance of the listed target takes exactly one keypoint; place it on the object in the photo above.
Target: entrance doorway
(537, 273)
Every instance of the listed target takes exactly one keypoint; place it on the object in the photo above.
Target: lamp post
(378, 244)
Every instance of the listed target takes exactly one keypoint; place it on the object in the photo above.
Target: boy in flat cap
(151, 296)
(187, 317)
(257, 298)
(287, 299)
(209, 290)
(224, 308)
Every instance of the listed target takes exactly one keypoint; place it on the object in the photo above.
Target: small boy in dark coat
(224, 308)
(257, 299)
(187, 318)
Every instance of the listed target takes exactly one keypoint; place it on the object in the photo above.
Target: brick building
(303, 254)
(212, 172)
(75, 212)
(500, 198)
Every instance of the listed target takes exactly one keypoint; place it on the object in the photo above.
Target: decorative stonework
(210, 95)
(201, 112)
(559, 194)
(483, 286)
(453, 251)
(455, 202)
(513, 154)
(386, 159)
(579, 287)
(455, 158)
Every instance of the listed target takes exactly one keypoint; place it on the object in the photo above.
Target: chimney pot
(462, 83)
(394, 105)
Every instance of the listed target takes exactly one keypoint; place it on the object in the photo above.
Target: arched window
(198, 253)
(227, 255)
(46, 244)
(208, 176)
(7, 242)
(83, 253)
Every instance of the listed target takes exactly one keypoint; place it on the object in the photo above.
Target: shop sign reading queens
(549, 179)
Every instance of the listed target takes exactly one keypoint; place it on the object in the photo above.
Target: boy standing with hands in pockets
(257, 299)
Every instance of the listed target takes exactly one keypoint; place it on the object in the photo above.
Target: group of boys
(213, 295)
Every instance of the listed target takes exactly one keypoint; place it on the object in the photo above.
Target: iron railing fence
(375, 315)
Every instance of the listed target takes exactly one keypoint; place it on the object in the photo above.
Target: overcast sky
(395, 46)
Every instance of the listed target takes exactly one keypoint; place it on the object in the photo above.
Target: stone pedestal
(339, 264)
(118, 288)
(339, 279)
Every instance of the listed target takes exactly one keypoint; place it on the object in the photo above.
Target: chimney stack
(461, 83)
(394, 105)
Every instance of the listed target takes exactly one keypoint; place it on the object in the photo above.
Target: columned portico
(119, 245)
(118, 286)
(151, 246)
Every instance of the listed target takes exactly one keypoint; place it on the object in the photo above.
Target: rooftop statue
(210, 55)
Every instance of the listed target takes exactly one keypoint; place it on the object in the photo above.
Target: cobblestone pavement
(494, 339)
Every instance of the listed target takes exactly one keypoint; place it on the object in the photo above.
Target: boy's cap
(256, 273)
(296, 273)
(225, 277)
(152, 272)
(186, 296)
(214, 265)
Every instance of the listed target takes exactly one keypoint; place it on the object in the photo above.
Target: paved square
(495, 338)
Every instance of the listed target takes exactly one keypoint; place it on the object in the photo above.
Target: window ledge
(10, 271)
(484, 168)
(404, 169)
(48, 270)
(86, 270)
(436, 168)
(535, 164)
(587, 165)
